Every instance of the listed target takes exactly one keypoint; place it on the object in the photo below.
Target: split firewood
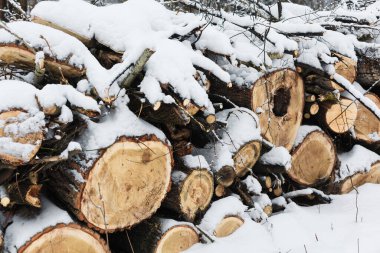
(224, 217)
(357, 167)
(277, 98)
(163, 236)
(53, 230)
(367, 125)
(135, 157)
(233, 154)
(192, 187)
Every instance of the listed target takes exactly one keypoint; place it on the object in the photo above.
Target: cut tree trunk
(338, 117)
(228, 225)
(313, 159)
(345, 67)
(280, 97)
(21, 57)
(348, 184)
(163, 236)
(117, 187)
(367, 125)
(50, 229)
(191, 190)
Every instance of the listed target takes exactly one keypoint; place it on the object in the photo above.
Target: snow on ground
(322, 228)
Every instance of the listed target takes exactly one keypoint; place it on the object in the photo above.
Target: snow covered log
(224, 217)
(313, 157)
(367, 125)
(277, 98)
(338, 117)
(23, 58)
(19, 141)
(233, 154)
(192, 187)
(50, 229)
(276, 160)
(163, 236)
(357, 167)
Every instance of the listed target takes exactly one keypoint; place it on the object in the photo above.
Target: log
(278, 96)
(50, 229)
(368, 67)
(233, 154)
(352, 174)
(163, 236)
(313, 157)
(192, 187)
(4, 197)
(18, 148)
(118, 186)
(339, 117)
(24, 193)
(224, 217)
(367, 125)
(345, 67)
(23, 58)
(348, 184)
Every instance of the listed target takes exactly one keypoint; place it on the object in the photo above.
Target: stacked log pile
(139, 127)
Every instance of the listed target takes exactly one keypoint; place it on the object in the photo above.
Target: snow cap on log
(357, 160)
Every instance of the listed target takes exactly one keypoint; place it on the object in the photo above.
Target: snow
(339, 43)
(73, 146)
(357, 160)
(253, 185)
(130, 28)
(119, 122)
(197, 161)
(298, 227)
(304, 131)
(277, 156)
(167, 224)
(26, 225)
(25, 96)
(178, 176)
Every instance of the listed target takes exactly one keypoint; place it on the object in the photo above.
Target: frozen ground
(323, 229)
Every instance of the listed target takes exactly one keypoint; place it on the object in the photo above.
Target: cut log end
(228, 226)
(246, 157)
(309, 169)
(225, 176)
(177, 239)
(129, 180)
(196, 192)
(71, 238)
(367, 125)
(283, 114)
(340, 117)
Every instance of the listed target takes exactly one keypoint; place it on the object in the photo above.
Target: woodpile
(148, 128)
